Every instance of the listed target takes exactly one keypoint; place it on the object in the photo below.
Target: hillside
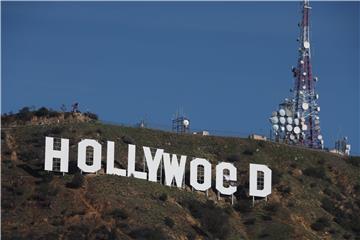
(316, 195)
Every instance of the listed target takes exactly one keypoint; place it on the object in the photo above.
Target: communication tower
(297, 121)
(180, 123)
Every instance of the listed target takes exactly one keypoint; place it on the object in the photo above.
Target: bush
(284, 190)
(355, 161)
(249, 221)
(119, 214)
(42, 112)
(77, 181)
(148, 233)
(328, 205)
(243, 206)
(127, 140)
(315, 172)
(320, 224)
(276, 176)
(163, 197)
(102, 233)
(272, 207)
(25, 114)
(169, 222)
(91, 115)
(332, 194)
(357, 188)
(248, 152)
(233, 158)
(212, 218)
(266, 217)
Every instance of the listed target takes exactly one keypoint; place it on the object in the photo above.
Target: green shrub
(276, 176)
(328, 205)
(315, 172)
(119, 214)
(25, 114)
(148, 233)
(320, 224)
(233, 158)
(42, 112)
(77, 181)
(248, 152)
(163, 197)
(249, 221)
(243, 206)
(91, 115)
(284, 190)
(355, 161)
(169, 222)
(266, 217)
(127, 140)
(212, 218)
(272, 207)
(332, 194)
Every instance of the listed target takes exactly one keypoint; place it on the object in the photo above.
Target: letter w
(173, 169)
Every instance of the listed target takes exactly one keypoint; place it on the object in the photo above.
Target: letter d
(253, 179)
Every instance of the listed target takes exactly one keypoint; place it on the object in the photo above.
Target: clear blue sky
(227, 64)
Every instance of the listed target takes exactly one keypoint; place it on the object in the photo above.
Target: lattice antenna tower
(299, 122)
(180, 123)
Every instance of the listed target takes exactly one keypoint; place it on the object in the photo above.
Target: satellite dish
(304, 73)
(301, 92)
(302, 119)
(304, 87)
(305, 106)
(289, 120)
(296, 121)
(297, 130)
(306, 44)
(274, 114)
(301, 62)
(274, 120)
(282, 128)
(186, 122)
(316, 79)
(317, 118)
(289, 128)
(304, 127)
(317, 96)
(282, 112)
(319, 137)
(292, 137)
(275, 127)
(282, 120)
(318, 109)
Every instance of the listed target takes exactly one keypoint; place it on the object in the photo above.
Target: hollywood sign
(174, 167)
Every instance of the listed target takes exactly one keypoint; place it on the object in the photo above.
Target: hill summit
(315, 194)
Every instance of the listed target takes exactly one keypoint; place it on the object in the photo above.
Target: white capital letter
(153, 164)
(220, 178)
(131, 164)
(110, 169)
(173, 169)
(194, 174)
(255, 169)
(96, 165)
(50, 154)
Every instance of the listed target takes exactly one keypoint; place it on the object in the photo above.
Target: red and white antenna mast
(302, 125)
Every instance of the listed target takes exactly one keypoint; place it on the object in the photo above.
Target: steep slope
(316, 195)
